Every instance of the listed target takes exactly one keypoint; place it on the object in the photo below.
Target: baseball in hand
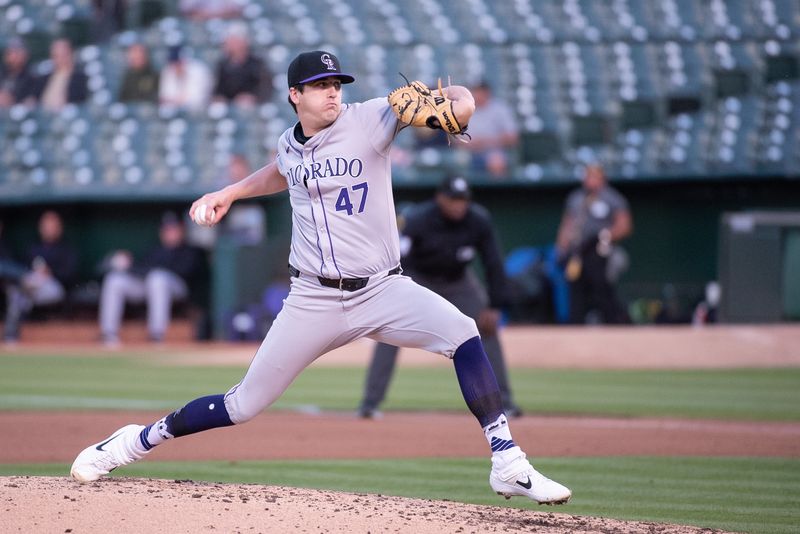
(204, 215)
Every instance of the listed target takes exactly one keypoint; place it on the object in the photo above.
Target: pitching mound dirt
(43, 504)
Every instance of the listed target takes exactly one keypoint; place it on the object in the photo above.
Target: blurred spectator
(108, 18)
(66, 83)
(494, 133)
(596, 217)
(140, 81)
(245, 222)
(440, 239)
(163, 276)
(242, 78)
(210, 9)
(671, 311)
(11, 271)
(53, 266)
(429, 138)
(184, 82)
(238, 169)
(17, 84)
(6, 257)
(706, 311)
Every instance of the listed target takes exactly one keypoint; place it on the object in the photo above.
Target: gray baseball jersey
(344, 223)
(344, 226)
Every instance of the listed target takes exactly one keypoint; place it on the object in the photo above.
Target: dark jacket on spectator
(77, 88)
(21, 85)
(60, 257)
(139, 85)
(251, 76)
(184, 260)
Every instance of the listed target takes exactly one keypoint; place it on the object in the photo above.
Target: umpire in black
(439, 240)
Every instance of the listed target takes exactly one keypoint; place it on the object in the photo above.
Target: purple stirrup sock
(478, 383)
(200, 414)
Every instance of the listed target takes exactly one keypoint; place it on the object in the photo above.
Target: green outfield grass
(759, 495)
(125, 381)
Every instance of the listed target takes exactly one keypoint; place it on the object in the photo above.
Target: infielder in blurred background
(596, 218)
(345, 267)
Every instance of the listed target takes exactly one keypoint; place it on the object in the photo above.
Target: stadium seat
(674, 88)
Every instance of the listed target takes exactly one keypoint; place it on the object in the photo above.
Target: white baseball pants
(316, 319)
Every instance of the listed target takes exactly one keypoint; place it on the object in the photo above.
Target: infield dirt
(39, 504)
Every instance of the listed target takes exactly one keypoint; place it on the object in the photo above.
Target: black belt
(343, 284)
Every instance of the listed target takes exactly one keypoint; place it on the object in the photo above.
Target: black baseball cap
(455, 187)
(310, 66)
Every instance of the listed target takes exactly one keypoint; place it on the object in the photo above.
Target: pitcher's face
(320, 102)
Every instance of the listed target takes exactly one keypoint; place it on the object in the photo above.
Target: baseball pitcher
(345, 265)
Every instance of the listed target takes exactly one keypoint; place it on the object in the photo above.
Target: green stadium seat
(638, 114)
(540, 146)
(781, 67)
(591, 129)
(145, 12)
(78, 30)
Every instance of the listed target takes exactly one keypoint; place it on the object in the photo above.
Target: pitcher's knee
(241, 409)
(468, 326)
(462, 330)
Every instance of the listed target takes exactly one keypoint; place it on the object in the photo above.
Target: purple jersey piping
(325, 216)
(310, 204)
(289, 138)
(314, 218)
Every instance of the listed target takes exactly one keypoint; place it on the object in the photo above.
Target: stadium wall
(675, 241)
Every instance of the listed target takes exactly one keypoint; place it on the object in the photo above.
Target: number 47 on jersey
(343, 203)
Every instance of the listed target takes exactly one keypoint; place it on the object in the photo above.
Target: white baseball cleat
(512, 475)
(102, 458)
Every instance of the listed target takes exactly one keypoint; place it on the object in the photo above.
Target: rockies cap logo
(315, 65)
(326, 59)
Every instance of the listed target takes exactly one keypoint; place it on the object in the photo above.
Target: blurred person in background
(596, 217)
(242, 78)
(439, 239)
(245, 222)
(211, 9)
(163, 276)
(9, 268)
(65, 83)
(184, 82)
(140, 81)
(494, 133)
(17, 84)
(52, 268)
(707, 310)
(11, 271)
(108, 18)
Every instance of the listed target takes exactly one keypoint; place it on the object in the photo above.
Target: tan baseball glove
(417, 105)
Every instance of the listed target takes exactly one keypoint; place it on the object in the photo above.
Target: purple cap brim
(346, 78)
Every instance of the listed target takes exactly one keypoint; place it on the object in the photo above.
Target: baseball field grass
(759, 495)
(127, 381)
